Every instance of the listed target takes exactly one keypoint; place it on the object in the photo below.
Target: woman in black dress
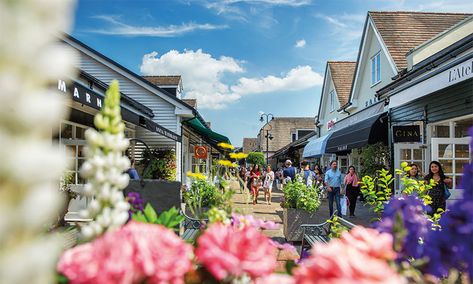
(437, 193)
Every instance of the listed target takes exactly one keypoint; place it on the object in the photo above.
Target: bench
(190, 227)
(320, 233)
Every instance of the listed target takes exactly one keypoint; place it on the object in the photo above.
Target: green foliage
(159, 164)
(377, 190)
(256, 158)
(297, 195)
(375, 157)
(336, 229)
(170, 218)
(204, 194)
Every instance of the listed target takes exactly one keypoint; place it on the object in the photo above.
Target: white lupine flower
(30, 60)
(105, 168)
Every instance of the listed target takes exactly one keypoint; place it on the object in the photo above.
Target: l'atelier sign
(406, 133)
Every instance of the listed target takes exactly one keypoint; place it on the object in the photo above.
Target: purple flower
(136, 202)
(404, 218)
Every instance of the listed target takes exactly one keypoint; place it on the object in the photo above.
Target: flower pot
(294, 218)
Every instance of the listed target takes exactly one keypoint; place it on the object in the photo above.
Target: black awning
(369, 131)
(153, 126)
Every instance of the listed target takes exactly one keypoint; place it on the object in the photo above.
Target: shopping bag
(343, 203)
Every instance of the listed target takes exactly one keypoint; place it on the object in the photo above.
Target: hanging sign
(409, 133)
(200, 152)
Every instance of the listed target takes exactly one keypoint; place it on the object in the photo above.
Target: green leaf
(150, 213)
(139, 217)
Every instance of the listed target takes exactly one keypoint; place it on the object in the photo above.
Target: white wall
(325, 114)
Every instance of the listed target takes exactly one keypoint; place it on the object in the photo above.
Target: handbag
(343, 205)
(446, 192)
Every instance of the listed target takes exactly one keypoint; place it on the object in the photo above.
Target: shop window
(441, 131)
(376, 69)
(461, 127)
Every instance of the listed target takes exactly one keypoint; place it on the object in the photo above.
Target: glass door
(411, 154)
(453, 154)
(343, 164)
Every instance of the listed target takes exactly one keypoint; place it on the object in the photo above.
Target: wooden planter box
(294, 218)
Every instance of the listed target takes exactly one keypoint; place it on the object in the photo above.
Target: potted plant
(300, 204)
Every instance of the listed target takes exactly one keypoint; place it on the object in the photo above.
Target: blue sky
(237, 57)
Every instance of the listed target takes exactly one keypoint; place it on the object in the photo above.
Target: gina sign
(409, 133)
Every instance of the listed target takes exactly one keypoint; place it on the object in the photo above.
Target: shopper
(319, 174)
(309, 176)
(255, 175)
(132, 171)
(352, 189)
(248, 178)
(242, 178)
(333, 181)
(268, 184)
(289, 173)
(437, 192)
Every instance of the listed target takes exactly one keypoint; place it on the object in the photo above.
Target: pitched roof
(402, 31)
(342, 76)
(191, 102)
(172, 80)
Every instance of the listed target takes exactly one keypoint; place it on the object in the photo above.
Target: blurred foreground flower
(227, 163)
(31, 60)
(359, 256)
(225, 146)
(241, 221)
(230, 254)
(238, 156)
(135, 253)
(104, 168)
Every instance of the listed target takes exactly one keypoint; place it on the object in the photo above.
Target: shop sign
(81, 94)
(409, 133)
(200, 152)
(342, 147)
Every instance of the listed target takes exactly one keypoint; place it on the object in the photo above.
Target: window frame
(375, 65)
(332, 100)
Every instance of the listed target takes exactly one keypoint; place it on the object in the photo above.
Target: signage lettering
(342, 147)
(406, 133)
(460, 72)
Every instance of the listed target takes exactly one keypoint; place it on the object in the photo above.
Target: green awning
(205, 132)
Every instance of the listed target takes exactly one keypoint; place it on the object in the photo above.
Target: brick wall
(282, 130)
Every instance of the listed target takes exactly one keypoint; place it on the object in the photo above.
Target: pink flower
(239, 221)
(341, 261)
(287, 247)
(371, 242)
(226, 251)
(276, 279)
(131, 254)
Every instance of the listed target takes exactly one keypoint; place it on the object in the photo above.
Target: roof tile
(403, 31)
(173, 80)
(342, 73)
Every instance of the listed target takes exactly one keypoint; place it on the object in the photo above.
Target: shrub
(297, 195)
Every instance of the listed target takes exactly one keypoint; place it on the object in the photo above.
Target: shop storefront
(315, 151)
(432, 104)
(351, 134)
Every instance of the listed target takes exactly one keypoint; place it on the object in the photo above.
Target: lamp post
(268, 136)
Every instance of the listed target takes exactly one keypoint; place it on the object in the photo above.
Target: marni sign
(409, 133)
(81, 94)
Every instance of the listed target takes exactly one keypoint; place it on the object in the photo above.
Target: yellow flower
(197, 176)
(404, 164)
(225, 145)
(227, 163)
(238, 156)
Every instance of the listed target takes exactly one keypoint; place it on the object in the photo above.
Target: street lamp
(268, 136)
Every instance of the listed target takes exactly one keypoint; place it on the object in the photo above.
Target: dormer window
(332, 100)
(376, 69)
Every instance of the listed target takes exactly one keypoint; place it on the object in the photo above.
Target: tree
(375, 157)
(256, 158)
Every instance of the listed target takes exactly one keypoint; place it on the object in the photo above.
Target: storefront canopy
(368, 131)
(207, 134)
(316, 147)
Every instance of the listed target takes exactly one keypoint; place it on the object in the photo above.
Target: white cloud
(204, 77)
(299, 78)
(201, 74)
(119, 28)
(300, 43)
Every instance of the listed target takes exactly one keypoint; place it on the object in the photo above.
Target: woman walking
(437, 193)
(352, 189)
(243, 179)
(255, 175)
(268, 184)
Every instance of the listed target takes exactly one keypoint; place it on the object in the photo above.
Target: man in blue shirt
(334, 181)
(289, 172)
(132, 172)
